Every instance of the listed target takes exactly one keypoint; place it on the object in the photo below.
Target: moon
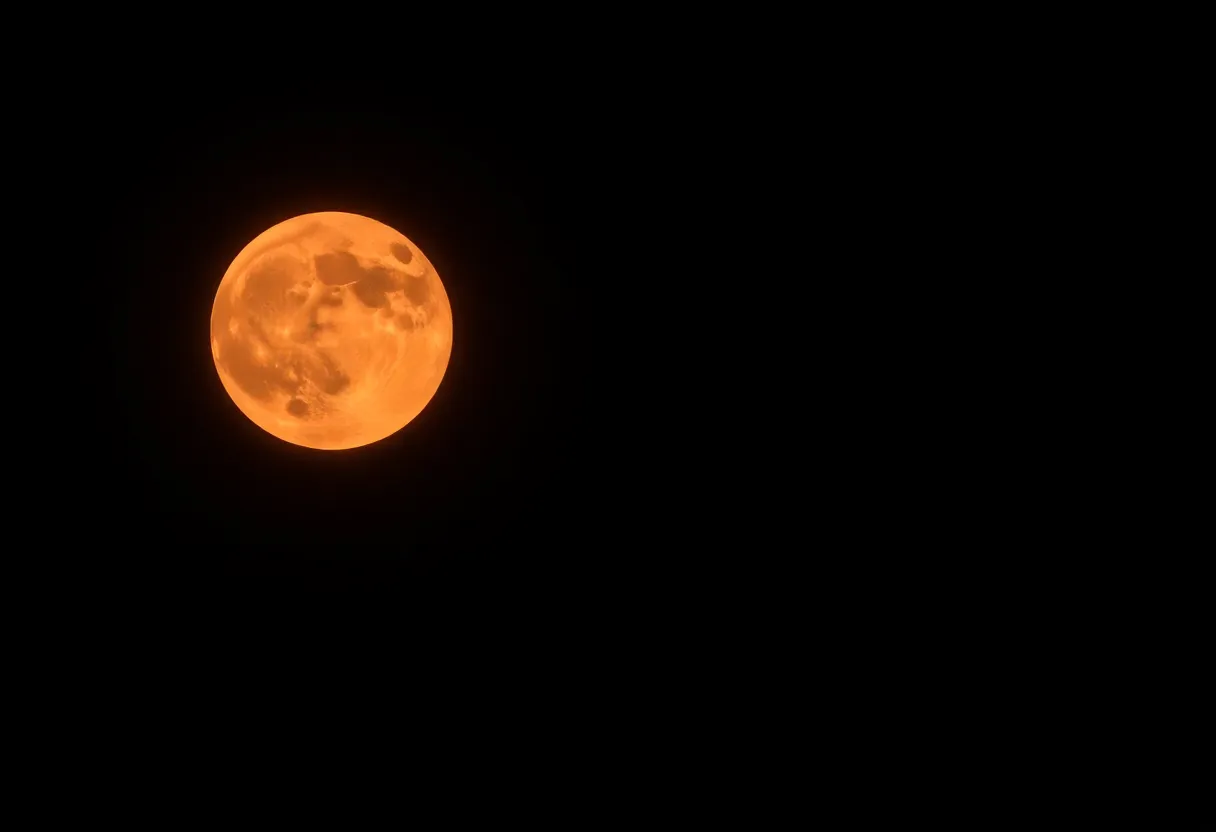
(331, 330)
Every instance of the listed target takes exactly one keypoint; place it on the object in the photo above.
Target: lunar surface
(331, 330)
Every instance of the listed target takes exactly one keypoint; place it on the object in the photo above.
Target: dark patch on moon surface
(369, 284)
(417, 290)
(332, 380)
(338, 268)
(297, 408)
(401, 252)
(372, 289)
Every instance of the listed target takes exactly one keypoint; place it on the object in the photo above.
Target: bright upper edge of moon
(331, 330)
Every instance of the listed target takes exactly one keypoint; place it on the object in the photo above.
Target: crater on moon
(331, 330)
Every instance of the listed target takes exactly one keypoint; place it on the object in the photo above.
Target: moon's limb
(331, 330)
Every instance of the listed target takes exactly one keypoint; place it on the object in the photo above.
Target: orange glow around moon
(331, 330)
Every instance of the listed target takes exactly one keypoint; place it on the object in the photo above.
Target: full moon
(331, 330)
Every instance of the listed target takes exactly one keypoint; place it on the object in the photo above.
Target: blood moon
(331, 330)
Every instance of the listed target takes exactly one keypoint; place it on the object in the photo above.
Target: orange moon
(331, 330)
